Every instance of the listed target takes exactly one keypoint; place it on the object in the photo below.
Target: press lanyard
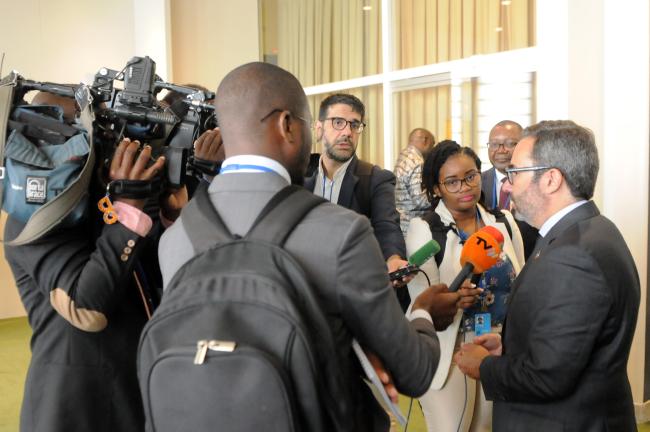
(239, 167)
(331, 187)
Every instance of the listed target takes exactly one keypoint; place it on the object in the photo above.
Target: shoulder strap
(438, 232)
(202, 222)
(500, 217)
(6, 97)
(275, 222)
(363, 171)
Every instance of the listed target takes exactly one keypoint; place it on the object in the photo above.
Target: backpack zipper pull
(223, 346)
(201, 351)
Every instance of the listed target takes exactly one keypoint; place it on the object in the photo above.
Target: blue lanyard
(238, 167)
(331, 187)
(495, 197)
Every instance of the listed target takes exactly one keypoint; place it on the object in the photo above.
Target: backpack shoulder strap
(500, 217)
(363, 171)
(202, 222)
(275, 222)
(438, 232)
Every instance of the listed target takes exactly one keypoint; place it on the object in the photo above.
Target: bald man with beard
(265, 122)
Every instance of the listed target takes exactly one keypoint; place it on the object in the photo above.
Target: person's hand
(396, 262)
(383, 375)
(440, 303)
(127, 164)
(209, 146)
(172, 202)
(468, 294)
(469, 359)
(491, 342)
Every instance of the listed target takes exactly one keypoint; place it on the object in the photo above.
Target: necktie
(504, 197)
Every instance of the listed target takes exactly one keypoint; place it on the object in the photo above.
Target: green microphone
(417, 258)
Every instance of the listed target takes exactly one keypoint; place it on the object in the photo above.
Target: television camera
(134, 112)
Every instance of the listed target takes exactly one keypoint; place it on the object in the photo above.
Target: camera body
(135, 112)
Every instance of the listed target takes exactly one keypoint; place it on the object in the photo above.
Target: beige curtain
(434, 31)
(322, 41)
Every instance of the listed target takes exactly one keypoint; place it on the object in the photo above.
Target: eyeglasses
(278, 110)
(507, 145)
(454, 185)
(339, 123)
(510, 172)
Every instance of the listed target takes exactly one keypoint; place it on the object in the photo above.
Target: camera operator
(88, 291)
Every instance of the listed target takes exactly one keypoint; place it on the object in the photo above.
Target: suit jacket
(568, 333)
(487, 186)
(528, 232)
(383, 215)
(341, 257)
(82, 380)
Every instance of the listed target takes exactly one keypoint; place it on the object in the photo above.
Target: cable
(425, 275)
(462, 414)
(408, 415)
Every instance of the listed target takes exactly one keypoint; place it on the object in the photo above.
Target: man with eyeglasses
(410, 199)
(573, 311)
(502, 141)
(342, 178)
(503, 138)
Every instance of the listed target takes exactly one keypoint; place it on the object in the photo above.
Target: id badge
(482, 324)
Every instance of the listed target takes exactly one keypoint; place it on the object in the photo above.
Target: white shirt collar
(338, 174)
(499, 175)
(254, 164)
(550, 222)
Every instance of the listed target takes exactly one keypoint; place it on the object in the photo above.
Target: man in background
(502, 141)
(342, 178)
(410, 199)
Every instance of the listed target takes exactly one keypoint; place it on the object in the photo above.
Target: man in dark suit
(342, 178)
(265, 122)
(574, 306)
(502, 140)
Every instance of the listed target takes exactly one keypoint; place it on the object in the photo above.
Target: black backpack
(439, 230)
(239, 341)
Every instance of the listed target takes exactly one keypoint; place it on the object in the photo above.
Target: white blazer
(418, 234)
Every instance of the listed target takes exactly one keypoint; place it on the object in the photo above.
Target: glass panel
(435, 31)
(428, 108)
(371, 141)
(323, 41)
(502, 97)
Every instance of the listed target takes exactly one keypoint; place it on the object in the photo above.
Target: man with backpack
(339, 176)
(325, 276)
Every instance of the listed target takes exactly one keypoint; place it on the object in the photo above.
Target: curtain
(322, 41)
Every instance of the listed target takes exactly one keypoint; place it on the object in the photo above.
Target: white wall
(594, 69)
(63, 41)
(68, 41)
(212, 37)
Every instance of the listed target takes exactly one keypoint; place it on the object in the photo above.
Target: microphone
(417, 258)
(480, 252)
